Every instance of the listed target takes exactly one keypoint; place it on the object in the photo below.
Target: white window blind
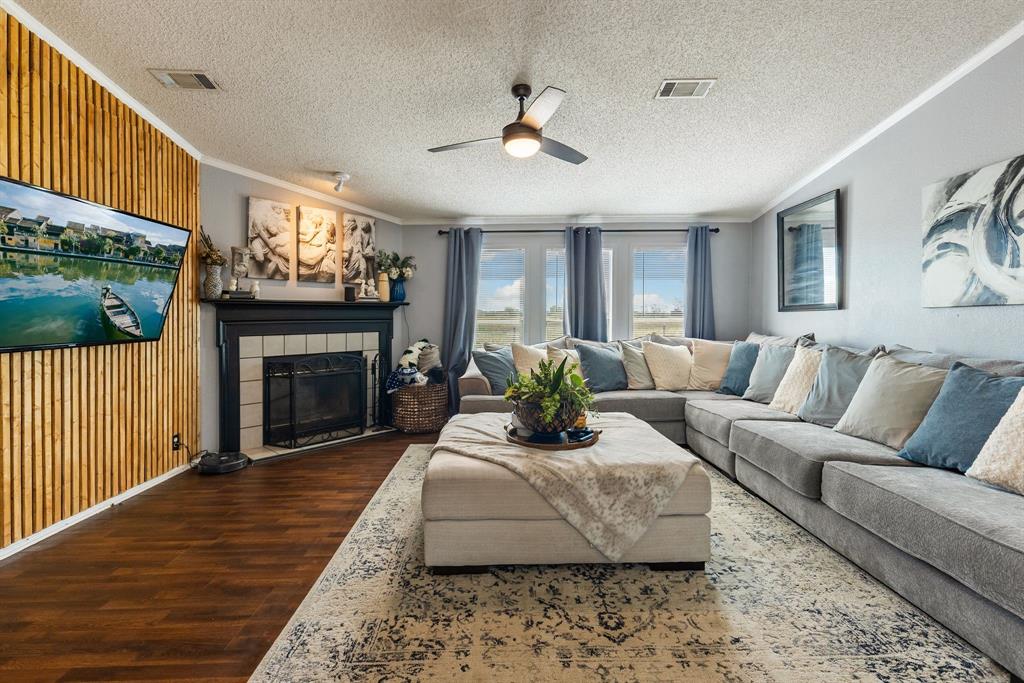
(501, 296)
(554, 290)
(659, 290)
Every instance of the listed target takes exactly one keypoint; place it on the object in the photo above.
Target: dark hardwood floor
(193, 579)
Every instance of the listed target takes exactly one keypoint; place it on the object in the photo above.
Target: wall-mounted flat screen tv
(75, 273)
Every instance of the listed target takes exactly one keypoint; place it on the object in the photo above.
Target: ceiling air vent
(184, 80)
(680, 88)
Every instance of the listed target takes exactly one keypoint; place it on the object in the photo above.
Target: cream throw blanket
(610, 492)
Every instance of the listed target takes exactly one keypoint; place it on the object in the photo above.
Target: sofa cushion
(603, 368)
(649, 405)
(970, 531)
(969, 406)
(795, 453)
(715, 418)
(710, 450)
(769, 369)
(480, 403)
(497, 366)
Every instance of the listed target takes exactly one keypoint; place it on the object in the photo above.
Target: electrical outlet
(176, 442)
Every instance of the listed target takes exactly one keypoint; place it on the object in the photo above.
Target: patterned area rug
(774, 605)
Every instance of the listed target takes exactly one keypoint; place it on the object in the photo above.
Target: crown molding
(34, 25)
(298, 189)
(986, 53)
(576, 220)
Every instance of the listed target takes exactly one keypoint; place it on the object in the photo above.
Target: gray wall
(224, 198)
(976, 122)
(730, 255)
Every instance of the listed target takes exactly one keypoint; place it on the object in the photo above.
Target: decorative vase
(383, 288)
(398, 289)
(214, 285)
(531, 416)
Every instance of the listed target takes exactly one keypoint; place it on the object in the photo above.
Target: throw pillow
(969, 406)
(527, 358)
(1001, 460)
(638, 376)
(496, 366)
(839, 375)
(710, 359)
(575, 343)
(769, 369)
(770, 340)
(669, 365)
(672, 341)
(797, 381)
(737, 374)
(891, 401)
(572, 365)
(603, 368)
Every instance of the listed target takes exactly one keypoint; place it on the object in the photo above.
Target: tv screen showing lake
(75, 273)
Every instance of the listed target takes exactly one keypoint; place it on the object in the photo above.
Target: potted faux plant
(214, 260)
(399, 269)
(551, 399)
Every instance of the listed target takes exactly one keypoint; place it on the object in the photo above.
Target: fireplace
(313, 398)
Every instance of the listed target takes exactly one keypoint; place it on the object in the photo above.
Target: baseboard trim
(63, 524)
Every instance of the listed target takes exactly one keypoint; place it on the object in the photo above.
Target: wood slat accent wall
(78, 426)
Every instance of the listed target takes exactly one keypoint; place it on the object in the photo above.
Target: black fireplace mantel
(260, 317)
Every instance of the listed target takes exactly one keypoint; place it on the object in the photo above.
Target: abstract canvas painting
(270, 238)
(360, 249)
(318, 238)
(974, 238)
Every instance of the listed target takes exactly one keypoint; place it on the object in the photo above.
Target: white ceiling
(368, 86)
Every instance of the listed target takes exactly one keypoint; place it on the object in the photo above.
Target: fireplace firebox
(313, 398)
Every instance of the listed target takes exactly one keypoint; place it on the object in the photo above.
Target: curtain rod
(557, 230)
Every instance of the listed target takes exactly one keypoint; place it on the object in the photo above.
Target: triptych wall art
(973, 238)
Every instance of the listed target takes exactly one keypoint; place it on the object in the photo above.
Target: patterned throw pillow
(797, 381)
(710, 359)
(1001, 460)
(669, 365)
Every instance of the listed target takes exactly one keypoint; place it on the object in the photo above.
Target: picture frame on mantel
(810, 255)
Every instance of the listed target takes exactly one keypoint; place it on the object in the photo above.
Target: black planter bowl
(530, 416)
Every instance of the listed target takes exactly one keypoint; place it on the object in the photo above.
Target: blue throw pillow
(496, 366)
(969, 406)
(737, 374)
(602, 368)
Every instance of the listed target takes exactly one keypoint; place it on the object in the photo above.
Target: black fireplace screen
(314, 398)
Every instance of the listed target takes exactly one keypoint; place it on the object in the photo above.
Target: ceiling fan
(522, 138)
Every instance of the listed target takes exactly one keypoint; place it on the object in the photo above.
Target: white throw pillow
(710, 359)
(556, 356)
(797, 381)
(669, 365)
(1001, 460)
(527, 358)
(638, 376)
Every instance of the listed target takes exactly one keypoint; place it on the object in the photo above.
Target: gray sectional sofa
(951, 545)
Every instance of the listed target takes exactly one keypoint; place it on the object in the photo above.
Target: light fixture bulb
(522, 147)
(342, 178)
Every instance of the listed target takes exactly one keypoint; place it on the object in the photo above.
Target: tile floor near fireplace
(253, 349)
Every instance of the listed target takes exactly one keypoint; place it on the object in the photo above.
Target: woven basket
(418, 409)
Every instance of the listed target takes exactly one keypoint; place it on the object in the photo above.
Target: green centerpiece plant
(550, 399)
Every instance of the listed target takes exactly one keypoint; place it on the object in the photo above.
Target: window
(501, 297)
(659, 290)
(554, 290)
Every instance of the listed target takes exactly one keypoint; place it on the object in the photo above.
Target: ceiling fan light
(522, 147)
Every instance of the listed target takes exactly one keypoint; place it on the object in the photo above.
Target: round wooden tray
(565, 444)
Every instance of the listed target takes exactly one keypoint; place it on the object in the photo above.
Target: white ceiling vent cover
(184, 80)
(684, 88)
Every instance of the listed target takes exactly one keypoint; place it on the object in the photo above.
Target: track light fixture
(342, 178)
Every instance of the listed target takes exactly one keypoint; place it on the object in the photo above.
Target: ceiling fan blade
(460, 145)
(560, 151)
(543, 107)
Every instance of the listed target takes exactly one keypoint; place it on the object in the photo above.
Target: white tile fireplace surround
(251, 352)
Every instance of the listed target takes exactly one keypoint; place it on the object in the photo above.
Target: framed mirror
(811, 255)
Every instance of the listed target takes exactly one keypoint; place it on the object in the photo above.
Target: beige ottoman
(477, 513)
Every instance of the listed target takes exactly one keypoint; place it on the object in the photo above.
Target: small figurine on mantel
(254, 289)
(239, 266)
